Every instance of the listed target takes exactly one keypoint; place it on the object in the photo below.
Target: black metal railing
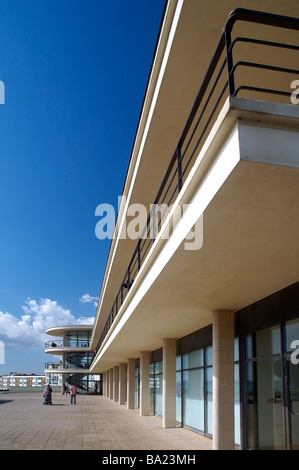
(228, 74)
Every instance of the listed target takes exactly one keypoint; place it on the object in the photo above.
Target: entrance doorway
(272, 389)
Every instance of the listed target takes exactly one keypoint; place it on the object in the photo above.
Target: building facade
(72, 344)
(198, 323)
(21, 380)
(198, 314)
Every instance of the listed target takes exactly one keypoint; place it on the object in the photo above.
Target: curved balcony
(61, 346)
(58, 368)
(62, 330)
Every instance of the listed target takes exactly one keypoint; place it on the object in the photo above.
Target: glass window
(237, 406)
(269, 404)
(264, 390)
(71, 339)
(236, 349)
(156, 388)
(294, 403)
(209, 400)
(291, 334)
(193, 359)
(268, 341)
(83, 340)
(77, 339)
(249, 346)
(152, 389)
(78, 360)
(194, 387)
(179, 397)
(193, 398)
(209, 356)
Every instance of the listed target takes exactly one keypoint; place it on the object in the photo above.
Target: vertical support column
(223, 380)
(144, 383)
(104, 384)
(115, 383)
(107, 384)
(130, 384)
(111, 384)
(169, 383)
(122, 383)
(62, 381)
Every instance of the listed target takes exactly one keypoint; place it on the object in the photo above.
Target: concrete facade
(174, 307)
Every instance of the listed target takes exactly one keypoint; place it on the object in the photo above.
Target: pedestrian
(47, 395)
(73, 392)
(64, 391)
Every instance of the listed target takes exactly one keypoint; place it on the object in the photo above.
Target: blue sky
(75, 73)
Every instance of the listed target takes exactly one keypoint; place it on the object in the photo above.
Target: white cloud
(86, 298)
(29, 332)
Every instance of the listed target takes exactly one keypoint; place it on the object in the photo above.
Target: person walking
(73, 393)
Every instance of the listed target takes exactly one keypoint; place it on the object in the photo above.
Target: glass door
(265, 419)
(292, 357)
(294, 404)
(272, 388)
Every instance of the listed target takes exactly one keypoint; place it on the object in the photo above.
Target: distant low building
(21, 380)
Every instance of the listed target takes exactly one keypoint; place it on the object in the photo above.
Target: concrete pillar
(122, 383)
(115, 383)
(144, 383)
(130, 384)
(108, 383)
(223, 380)
(169, 383)
(63, 381)
(104, 384)
(111, 384)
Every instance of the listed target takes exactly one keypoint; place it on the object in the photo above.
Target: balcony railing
(67, 344)
(253, 72)
(54, 344)
(53, 366)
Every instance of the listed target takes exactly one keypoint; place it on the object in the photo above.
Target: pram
(47, 395)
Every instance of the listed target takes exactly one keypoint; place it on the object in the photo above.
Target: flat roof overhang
(248, 180)
(62, 329)
(189, 33)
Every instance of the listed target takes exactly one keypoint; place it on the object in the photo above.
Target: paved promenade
(94, 423)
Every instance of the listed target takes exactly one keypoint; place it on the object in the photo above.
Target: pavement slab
(94, 423)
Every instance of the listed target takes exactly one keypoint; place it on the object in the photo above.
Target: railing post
(229, 61)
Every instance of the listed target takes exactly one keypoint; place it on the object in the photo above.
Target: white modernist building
(199, 324)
